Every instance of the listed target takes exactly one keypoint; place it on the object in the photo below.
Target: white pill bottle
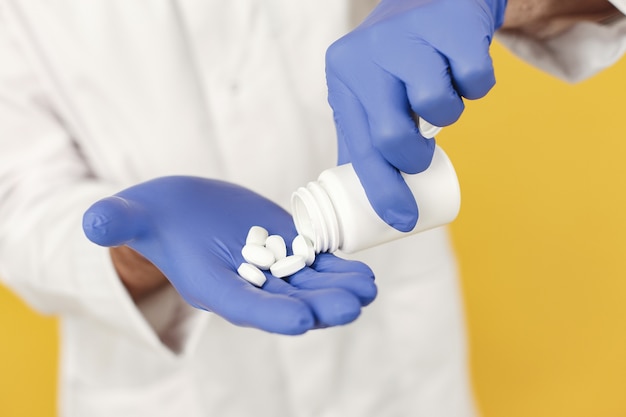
(335, 214)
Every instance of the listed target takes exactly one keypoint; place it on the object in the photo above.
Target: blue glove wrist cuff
(498, 7)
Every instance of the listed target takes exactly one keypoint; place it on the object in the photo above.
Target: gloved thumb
(113, 221)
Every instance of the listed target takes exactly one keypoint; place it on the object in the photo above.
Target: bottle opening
(307, 217)
(302, 218)
(315, 218)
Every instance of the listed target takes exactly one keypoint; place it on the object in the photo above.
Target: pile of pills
(264, 252)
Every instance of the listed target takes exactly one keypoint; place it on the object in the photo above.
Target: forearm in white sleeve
(45, 186)
(576, 54)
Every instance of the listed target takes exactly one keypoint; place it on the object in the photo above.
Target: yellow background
(541, 240)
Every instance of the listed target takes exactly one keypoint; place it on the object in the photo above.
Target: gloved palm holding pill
(193, 230)
(407, 57)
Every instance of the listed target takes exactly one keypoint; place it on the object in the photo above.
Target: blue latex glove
(193, 230)
(407, 58)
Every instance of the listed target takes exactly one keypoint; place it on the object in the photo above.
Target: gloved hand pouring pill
(407, 57)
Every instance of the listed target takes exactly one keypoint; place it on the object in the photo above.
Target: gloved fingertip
(111, 222)
(298, 325)
(345, 313)
(367, 293)
(95, 226)
(400, 219)
(297, 321)
(333, 306)
(474, 82)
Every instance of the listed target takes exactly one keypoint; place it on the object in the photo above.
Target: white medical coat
(99, 95)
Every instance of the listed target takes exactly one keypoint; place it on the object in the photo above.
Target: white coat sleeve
(576, 54)
(45, 187)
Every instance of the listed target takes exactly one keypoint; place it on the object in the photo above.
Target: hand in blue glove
(407, 58)
(193, 230)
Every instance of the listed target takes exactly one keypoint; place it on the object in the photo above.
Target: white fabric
(98, 95)
(620, 4)
(576, 54)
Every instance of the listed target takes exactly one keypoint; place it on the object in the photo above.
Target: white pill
(277, 245)
(256, 236)
(302, 246)
(259, 256)
(252, 274)
(287, 266)
(427, 130)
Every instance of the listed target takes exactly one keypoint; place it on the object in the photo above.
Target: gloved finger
(424, 77)
(393, 131)
(114, 221)
(239, 302)
(327, 262)
(330, 306)
(385, 188)
(472, 68)
(362, 286)
(387, 192)
(331, 270)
